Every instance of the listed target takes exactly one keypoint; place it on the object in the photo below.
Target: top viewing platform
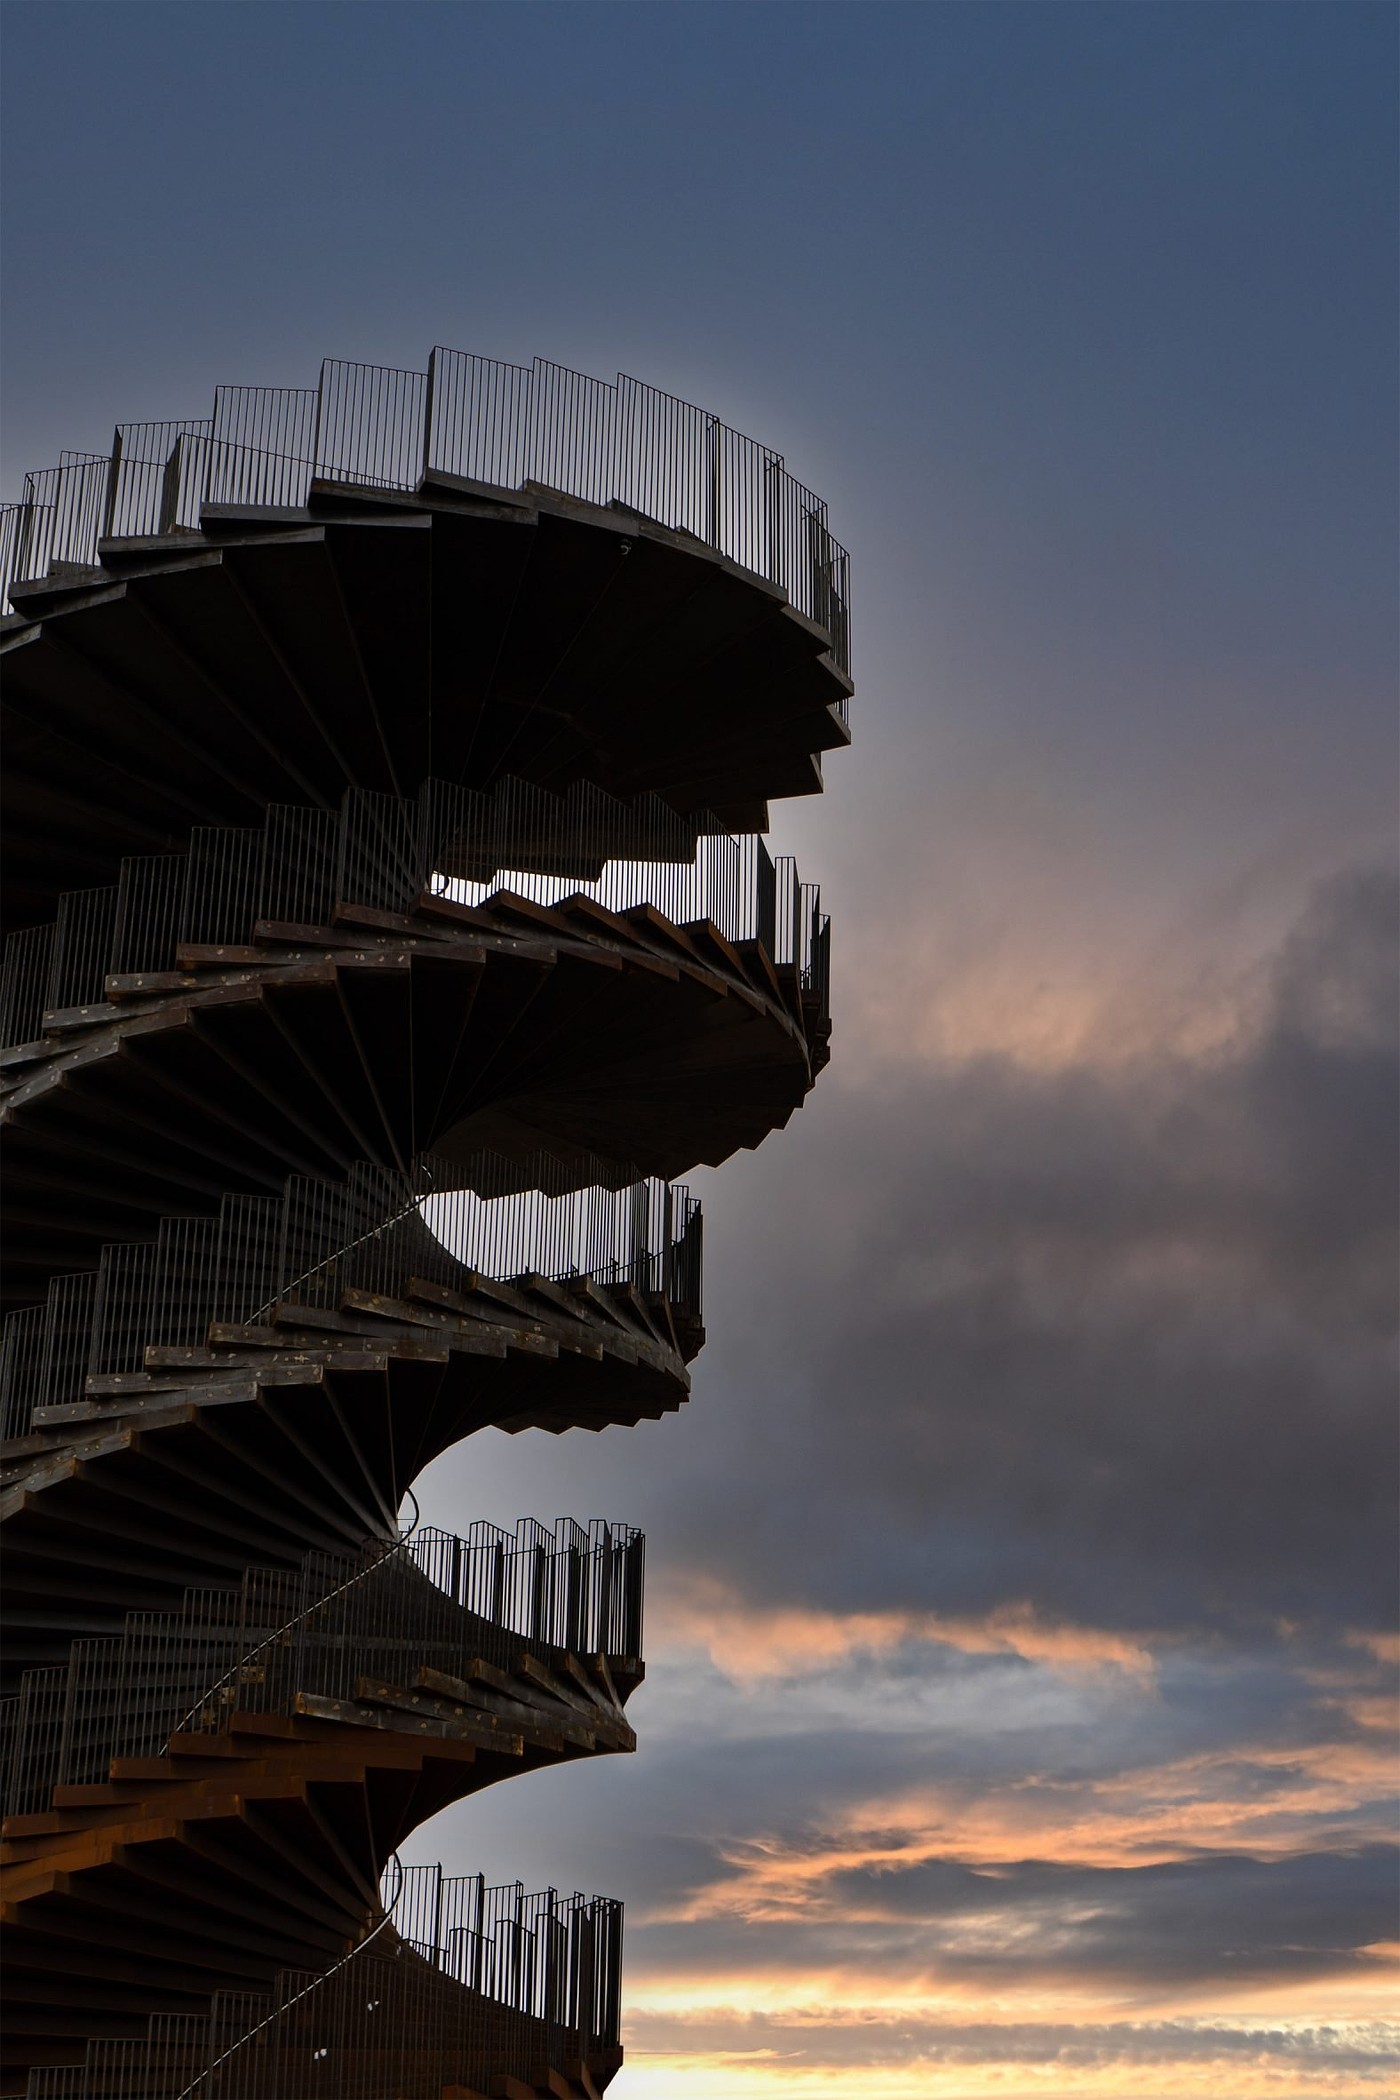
(473, 569)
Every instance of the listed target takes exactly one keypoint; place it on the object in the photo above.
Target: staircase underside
(282, 657)
(231, 1856)
(268, 1443)
(511, 1026)
(386, 2023)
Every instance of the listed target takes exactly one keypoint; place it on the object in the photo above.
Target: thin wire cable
(314, 1985)
(361, 1575)
(374, 1232)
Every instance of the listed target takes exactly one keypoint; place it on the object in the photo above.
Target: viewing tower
(388, 924)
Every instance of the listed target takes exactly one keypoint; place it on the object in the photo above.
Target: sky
(1021, 1658)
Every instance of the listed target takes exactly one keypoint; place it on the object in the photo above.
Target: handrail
(543, 426)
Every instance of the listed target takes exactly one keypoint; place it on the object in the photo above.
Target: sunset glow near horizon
(1020, 1705)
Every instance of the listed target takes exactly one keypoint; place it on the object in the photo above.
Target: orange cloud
(1262, 1799)
(1385, 1647)
(765, 2075)
(748, 1642)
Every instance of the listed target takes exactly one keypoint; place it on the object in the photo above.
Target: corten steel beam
(390, 926)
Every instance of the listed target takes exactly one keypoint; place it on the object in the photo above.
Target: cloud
(1021, 1575)
(717, 2051)
(1384, 1646)
(1214, 1921)
(747, 1641)
(1248, 1799)
(1119, 1340)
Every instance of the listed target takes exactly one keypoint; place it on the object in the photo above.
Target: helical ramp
(389, 924)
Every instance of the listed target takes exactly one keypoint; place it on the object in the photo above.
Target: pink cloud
(749, 1642)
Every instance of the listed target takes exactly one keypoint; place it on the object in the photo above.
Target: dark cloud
(1115, 1339)
(1179, 1921)
(1112, 1340)
(1158, 1931)
(742, 1811)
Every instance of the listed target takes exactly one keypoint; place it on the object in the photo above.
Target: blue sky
(1016, 1723)
(1082, 318)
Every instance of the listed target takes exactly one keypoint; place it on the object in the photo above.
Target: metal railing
(479, 1982)
(302, 866)
(322, 1629)
(506, 426)
(381, 1231)
(517, 1948)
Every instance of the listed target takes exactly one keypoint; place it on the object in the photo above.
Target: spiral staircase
(389, 923)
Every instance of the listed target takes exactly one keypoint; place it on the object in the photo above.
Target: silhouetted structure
(387, 924)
